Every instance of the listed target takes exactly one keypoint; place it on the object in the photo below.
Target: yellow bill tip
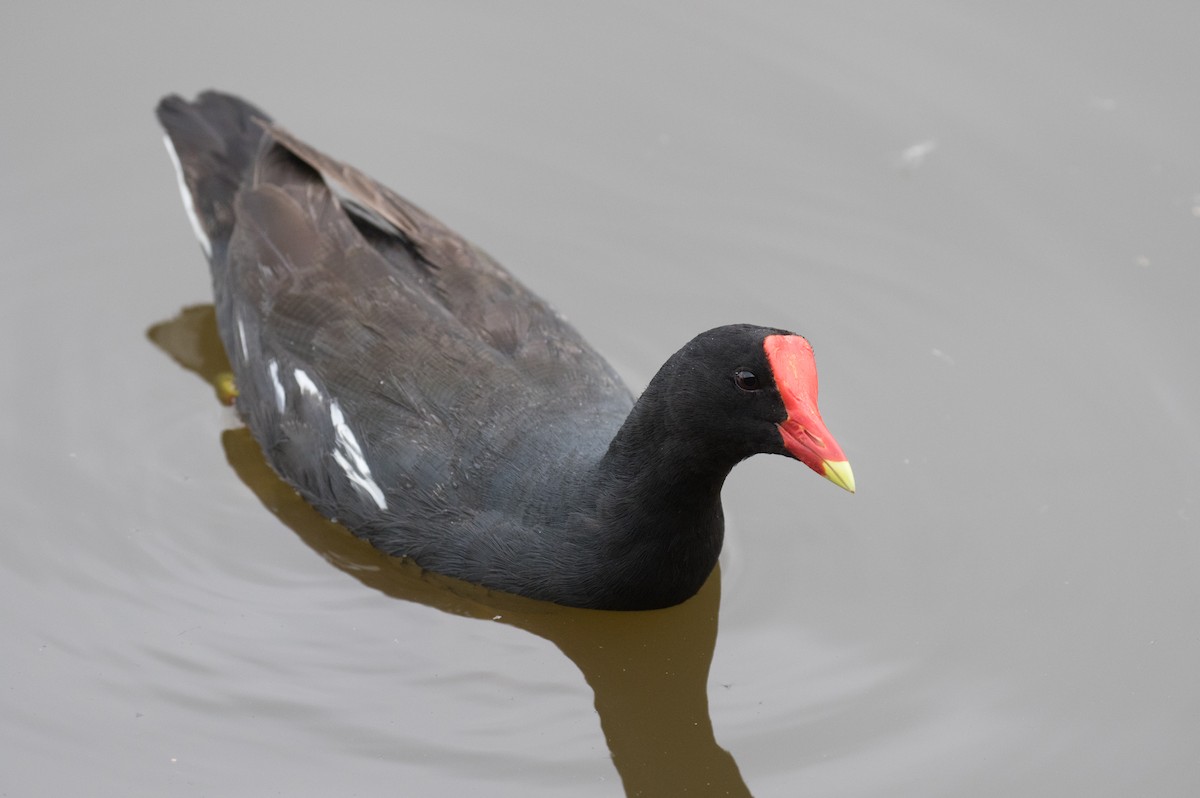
(838, 472)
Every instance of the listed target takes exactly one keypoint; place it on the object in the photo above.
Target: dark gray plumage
(410, 387)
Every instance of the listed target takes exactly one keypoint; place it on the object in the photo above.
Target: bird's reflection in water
(648, 670)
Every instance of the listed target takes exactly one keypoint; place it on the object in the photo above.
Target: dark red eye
(746, 380)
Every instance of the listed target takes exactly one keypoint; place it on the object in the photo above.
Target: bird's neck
(658, 502)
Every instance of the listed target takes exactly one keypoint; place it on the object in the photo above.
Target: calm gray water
(986, 220)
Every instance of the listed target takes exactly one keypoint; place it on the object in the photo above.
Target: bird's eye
(746, 380)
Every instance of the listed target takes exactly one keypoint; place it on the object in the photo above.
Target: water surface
(986, 221)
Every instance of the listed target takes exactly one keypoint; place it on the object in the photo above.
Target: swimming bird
(409, 387)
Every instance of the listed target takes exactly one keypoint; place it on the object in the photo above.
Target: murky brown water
(987, 222)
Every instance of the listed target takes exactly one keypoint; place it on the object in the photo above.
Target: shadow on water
(648, 670)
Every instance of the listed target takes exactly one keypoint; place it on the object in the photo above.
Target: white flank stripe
(305, 383)
(280, 397)
(242, 339)
(348, 454)
(188, 205)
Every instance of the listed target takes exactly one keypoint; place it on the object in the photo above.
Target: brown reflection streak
(647, 670)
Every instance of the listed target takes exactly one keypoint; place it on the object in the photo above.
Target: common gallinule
(409, 387)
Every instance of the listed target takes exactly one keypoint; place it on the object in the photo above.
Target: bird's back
(395, 374)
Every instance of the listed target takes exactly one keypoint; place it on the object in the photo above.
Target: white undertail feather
(188, 204)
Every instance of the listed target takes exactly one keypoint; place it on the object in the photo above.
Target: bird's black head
(746, 390)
